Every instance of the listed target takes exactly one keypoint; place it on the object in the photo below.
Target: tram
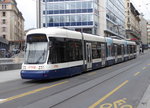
(56, 53)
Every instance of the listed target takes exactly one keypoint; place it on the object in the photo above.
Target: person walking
(142, 48)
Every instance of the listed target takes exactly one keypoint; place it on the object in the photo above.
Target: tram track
(38, 83)
(81, 84)
(81, 80)
(91, 86)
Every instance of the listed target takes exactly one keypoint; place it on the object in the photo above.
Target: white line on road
(1, 100)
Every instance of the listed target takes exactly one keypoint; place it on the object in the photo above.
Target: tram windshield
(36, 49)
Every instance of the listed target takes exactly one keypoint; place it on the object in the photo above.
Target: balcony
(136, 34)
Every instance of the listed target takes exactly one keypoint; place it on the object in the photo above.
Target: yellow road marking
(31, 92)
(108, 95)
(92, 73)
(122, 103)
(148, 64)
(144, 68)
(137, 73)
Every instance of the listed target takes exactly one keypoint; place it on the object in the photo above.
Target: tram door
(129, 51)
(103, 53)
(116, 53)
(89, 56)
(122, 52)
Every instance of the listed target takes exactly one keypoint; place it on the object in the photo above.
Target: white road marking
(1, 100)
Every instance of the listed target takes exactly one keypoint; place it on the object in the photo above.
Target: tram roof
(118, 41)
(59, 32)
(131, 43)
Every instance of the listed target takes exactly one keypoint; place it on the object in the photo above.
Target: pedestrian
(142, 48)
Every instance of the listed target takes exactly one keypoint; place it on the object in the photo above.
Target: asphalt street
(118, 86)
(10, 75)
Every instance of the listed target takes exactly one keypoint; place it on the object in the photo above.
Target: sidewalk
(145, 101)
(9, 75)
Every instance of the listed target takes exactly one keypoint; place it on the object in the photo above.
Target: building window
(4, 36)
(128, 13)
(4, 21)
(4, 14)
(128, 20)
(3, 29)
(4, 6)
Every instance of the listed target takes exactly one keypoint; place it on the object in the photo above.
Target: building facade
(143, 28)
(114, 16)
(100, 17)
(148, 32)
(11, 23)
(74, 14)
(133, 31)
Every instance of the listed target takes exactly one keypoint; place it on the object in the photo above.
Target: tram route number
(117, 104)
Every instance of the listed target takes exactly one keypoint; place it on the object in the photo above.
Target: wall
(143, 27)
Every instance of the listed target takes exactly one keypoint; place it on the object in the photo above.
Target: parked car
(16, 50)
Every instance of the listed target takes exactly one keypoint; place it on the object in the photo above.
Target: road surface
(118, 86)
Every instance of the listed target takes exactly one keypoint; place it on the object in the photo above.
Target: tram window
(134, 48)
(118, 49)
(131, 49)
(128, 49)
(108, 50)
(64, 50)
(96, 50)
(99, 49)
(122, 50)
(125, 49)
(113, 50)
(58, 50)
(74, 49)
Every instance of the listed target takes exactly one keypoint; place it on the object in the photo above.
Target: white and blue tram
(56, 53)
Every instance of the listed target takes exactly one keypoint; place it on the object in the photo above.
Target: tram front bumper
(35, 74)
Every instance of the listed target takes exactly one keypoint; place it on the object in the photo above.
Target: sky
(28, 9)
(143, 6)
